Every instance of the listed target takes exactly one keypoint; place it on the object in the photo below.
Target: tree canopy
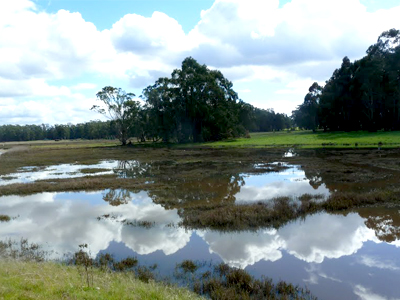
(363, 95)
(120, 108)
(194, 104)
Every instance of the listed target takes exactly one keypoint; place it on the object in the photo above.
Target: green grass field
(309, 139)
(303, 139)
(33, 280)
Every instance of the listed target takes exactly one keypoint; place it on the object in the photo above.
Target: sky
(55, 55)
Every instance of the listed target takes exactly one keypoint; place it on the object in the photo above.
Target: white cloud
(84, 86)
(374, 262)
(245, 248)
(296, 87)
(48, 45)
(147, 36)
(314, 272)
(66, 220)
(344, 236)
(249, 41)
(309, 240)
(366, 294)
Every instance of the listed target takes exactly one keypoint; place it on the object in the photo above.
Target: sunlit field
(309, 139)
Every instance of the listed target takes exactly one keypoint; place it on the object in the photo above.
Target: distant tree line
(89, 130)
(258, 120)
(195, 104)
(364, 95)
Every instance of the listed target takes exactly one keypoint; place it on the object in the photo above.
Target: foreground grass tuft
(224, 282)
(32, 280)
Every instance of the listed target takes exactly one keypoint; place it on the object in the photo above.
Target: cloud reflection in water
(291, 182)
(66, 220)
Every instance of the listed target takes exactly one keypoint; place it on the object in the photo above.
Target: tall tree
(306, 114)
(120, 108)
(195, 104)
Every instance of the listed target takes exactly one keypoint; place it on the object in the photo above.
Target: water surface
(291, 181)
(337, 256)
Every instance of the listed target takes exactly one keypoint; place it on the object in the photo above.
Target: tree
(306, 114)
(120, 108)
(364, 95)
(195, 104)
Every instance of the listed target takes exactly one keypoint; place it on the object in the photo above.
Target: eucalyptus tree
(306, 114)
(195, 104)
(118, 106)
(365, 95)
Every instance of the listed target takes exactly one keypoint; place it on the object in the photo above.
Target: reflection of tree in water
(117, 197)
(313, 176)
(132, 169)
(384, 221)
(195, 192)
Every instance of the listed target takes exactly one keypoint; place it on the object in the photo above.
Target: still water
(31, 174)
(349, 256)
(337, 256)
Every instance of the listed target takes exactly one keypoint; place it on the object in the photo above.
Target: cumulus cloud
(66, 220)
(47, 45)
(245, 248)
(301, 31)
(309, 240)
(137, 34)
(344, 236)
(294, 44)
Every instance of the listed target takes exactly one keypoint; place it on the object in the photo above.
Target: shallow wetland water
(351, 254)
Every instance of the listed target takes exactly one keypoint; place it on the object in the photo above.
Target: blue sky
(105, 13)
(56, 54)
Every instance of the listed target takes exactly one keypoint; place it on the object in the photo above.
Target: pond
(354, 255)
(31, 174)
(291, 181)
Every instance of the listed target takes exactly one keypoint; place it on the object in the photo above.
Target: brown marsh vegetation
(202, 182)
(222, 282)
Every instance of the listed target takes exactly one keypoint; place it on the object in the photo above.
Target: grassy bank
(24, 274)
(47, 280)
(303, 139)
(309, 139)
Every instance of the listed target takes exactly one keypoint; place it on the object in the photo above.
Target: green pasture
(302, 139)
(309, 139)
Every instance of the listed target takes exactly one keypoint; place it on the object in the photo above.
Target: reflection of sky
(332, 254)
(290, 182)
(326, 252)
(65, 220)
(311, 240)
(27, 175)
